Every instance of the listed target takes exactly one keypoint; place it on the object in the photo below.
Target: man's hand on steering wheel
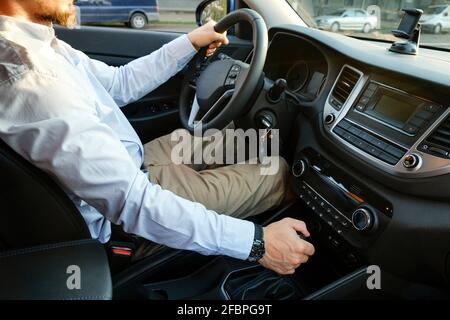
(206, 35)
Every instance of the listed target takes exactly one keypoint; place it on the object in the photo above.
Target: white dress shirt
(60, 110)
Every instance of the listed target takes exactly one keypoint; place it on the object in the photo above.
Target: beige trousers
(237, 190)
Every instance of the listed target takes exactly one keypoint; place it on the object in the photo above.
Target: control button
(329, 119)
(368, 94)
(299, 168)
(362, 219)
(374, 151)
(388, 158)
(344, 124)
(372, 87)
(424, 147)
(396, 152)
(355, 131)
(344, 223)
(365, 136)
(411, 129)
(361, 144)
(379, 143)
(340, 132)
(335, 243)
(411, 161)
(360, 107)
(432, 108)
(425, 115)
(364, 101)
(350, 138)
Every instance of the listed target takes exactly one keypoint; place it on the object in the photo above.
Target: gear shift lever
(278, 88)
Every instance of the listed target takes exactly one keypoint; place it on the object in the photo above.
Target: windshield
(375, 19)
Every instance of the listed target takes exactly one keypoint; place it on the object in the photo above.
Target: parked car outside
(135, 13)
(348, 19)
(436, 19)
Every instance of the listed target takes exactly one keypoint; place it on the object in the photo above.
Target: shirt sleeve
(88, 160)
(133, 81)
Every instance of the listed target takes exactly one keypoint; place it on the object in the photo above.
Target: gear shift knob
(278, 88)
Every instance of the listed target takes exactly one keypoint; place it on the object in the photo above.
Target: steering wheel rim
(246, 84)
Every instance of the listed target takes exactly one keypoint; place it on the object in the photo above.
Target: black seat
(34, 210)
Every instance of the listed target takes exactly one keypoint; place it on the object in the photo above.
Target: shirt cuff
(237, 238)
(181, 48)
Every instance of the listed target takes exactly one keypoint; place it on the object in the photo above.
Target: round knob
(363, 219)
(329, 119)
(299, 168)
(411, 161)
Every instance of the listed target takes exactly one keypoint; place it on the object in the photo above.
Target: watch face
(257, 251)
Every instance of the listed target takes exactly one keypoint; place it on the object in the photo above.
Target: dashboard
(372, 155)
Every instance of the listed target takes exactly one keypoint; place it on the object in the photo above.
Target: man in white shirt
(60, 110)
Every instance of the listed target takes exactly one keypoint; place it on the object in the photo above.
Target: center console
(401, 133)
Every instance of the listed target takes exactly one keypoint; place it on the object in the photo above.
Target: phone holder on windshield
(409, 29)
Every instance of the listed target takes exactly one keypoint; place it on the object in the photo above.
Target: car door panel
(157, 113)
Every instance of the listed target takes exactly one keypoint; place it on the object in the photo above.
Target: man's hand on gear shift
(285, 251)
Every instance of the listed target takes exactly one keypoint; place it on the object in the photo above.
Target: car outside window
(156, 15)
(376, 19)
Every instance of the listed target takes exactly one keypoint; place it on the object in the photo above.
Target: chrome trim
(339, 115)
(303, 164)
(367, 214)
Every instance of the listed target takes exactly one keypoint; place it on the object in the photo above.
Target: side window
(156, 15)
(360, 13)
(349, 14)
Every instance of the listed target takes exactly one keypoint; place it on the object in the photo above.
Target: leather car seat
(34, 210)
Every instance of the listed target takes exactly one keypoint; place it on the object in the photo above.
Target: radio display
(393, 109)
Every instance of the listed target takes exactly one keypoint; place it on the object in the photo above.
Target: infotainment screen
(394, 109)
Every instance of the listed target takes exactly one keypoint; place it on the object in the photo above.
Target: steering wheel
(224, 87)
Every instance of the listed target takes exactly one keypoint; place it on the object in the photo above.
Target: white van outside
(436, 19)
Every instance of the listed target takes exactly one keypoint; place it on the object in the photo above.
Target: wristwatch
(258, 249)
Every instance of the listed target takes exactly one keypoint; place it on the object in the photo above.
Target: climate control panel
(338, 201)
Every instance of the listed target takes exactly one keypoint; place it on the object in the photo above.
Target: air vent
(344, 87)
(438, 143)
